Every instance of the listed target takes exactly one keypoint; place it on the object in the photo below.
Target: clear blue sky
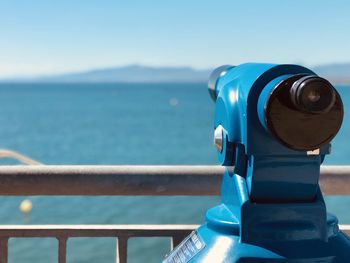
(42, 36)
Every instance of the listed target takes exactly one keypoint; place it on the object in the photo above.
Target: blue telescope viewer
(272, 129)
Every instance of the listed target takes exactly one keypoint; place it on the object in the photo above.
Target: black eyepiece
(304, 112)
(312, 94)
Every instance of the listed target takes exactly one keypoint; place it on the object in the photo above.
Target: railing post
(62, 249)
(3, 250)
(122, 249)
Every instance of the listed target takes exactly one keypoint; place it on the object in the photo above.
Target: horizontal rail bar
(109, 180)
(70, 231)
(135, 180)
(335, 180)
(127, 231)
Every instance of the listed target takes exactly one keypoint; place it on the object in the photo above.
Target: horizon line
(32, 76)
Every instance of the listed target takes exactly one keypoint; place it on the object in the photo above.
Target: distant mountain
(134, 73)
(336, 73)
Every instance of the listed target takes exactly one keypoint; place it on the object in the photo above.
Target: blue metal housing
(272, 208)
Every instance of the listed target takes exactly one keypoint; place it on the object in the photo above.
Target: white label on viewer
(186, 250)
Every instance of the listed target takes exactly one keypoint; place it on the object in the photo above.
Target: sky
(46, 37)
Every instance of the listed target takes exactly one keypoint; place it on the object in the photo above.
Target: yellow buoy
(26, 206)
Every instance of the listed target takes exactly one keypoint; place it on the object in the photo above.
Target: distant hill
(134, 73)
(336, 73)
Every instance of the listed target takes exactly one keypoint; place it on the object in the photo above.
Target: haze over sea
(117, 124)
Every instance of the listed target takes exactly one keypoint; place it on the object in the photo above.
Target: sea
(149, 124)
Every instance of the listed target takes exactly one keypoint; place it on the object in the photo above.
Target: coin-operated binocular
(272, 129)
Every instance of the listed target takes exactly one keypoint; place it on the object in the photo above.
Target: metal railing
(62, 233)
(123, 180)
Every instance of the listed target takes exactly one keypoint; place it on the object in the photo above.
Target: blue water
(117, 124)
